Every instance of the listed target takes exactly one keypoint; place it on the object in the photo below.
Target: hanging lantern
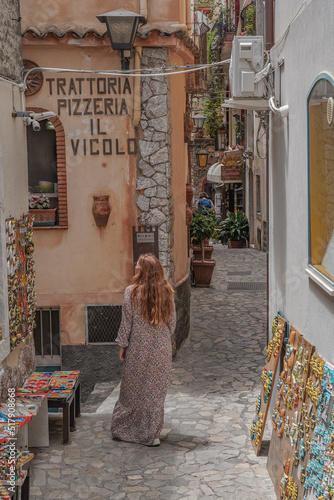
(122, 27)
(202, 158)
(198, 121)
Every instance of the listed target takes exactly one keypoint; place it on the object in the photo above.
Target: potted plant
(39, 207)
(234, 230)
(239, 131)
(203, 227)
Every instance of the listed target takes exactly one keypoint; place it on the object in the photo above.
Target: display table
(22, 486)
(62, 390)
(28, 427)
(70, 404)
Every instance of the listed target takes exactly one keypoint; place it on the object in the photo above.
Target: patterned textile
(139, 412)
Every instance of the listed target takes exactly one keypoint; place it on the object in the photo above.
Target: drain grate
(239, 273)
(247, 285)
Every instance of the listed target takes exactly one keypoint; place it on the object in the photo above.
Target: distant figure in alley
(144, 337)
(204, 202)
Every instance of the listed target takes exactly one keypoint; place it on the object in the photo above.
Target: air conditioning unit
(246, 62)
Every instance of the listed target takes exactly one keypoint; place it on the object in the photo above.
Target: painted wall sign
(231, 173)
(96, 98)
(145, 237)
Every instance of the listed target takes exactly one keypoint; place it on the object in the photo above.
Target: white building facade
(301, 173)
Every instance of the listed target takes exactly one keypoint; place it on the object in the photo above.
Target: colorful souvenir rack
(301, 453)
(268, 376)
(312, 469)
(38, 382)
(289, 438)
(21, 278)
(57, 385)
(25, 408)
(4, 493)
(10, 455)
(318, 476)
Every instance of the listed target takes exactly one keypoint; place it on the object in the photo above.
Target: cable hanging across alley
(173, 70)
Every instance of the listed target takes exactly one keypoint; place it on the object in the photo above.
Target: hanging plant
(239, 130)
(212, 104)
(250, 21)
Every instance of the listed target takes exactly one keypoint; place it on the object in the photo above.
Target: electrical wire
(173, 70)
(262, 125)
(8, 80)
(285, 34)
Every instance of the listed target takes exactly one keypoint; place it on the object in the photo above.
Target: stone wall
(10, 40)
(182, 305)
(17, 367)
(97, 363)
(154, 196)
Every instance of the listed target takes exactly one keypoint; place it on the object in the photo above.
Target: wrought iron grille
(47, 331)
(102, 323)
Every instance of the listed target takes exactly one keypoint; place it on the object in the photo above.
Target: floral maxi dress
(139, 412)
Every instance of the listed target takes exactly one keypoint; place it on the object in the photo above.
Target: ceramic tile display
(268, 376)
(12, 456)
(55, 384)
(319, 471)
(288, 442)
(311, 471)
(26, 406)
(21, 278)
(301, 454)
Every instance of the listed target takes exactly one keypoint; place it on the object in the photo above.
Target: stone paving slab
(205, 450)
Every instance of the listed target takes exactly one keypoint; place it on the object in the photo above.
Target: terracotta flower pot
(43, 216)
(198, 253)
(189, 193)
(189, 216)
(101, 210)
(203, 272)
(236, 244)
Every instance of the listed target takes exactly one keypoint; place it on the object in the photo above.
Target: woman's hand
(121, 353)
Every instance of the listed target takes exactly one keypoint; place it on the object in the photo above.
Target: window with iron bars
(47, 333)
(102, 323)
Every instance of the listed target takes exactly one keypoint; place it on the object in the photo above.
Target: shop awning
(233, 181)
(214, 173)
(251, 104)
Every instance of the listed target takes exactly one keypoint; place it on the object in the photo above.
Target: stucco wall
(305, 304)
(83, 14)
(84, 263)
(284, 13)
(88, 175)
(74, 14)
(180, 171)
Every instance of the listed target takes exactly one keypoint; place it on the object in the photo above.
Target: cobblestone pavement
(205, 449)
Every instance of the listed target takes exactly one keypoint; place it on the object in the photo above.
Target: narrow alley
(205, 449)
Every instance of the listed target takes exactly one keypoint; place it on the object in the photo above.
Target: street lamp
(198, 121)
(122, 27)
(202, 157)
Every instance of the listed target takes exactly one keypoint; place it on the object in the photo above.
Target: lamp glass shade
(49, 126)
(122, 27)
(202, 158)
(198, 121)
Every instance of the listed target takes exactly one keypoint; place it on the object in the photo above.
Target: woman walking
(144, 337)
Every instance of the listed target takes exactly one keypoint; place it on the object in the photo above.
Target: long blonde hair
(152, 290)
